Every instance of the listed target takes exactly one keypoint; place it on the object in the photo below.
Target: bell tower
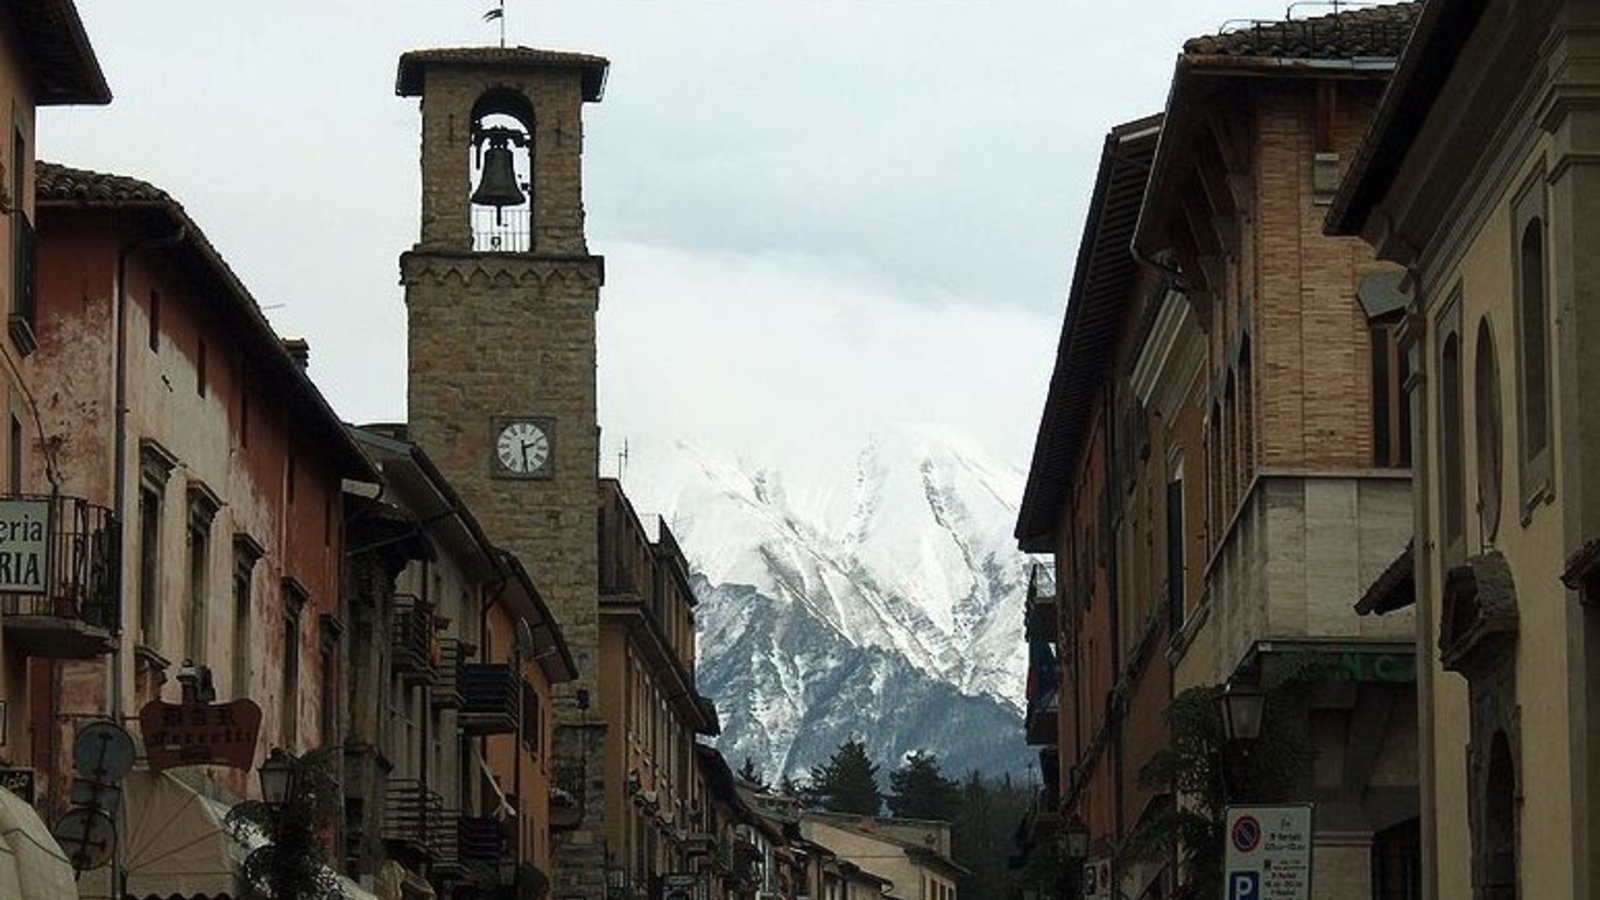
(501, 293)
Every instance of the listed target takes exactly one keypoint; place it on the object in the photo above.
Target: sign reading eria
(24, 545)
(1268, 853)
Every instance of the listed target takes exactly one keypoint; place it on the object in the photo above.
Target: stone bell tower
(501, 293)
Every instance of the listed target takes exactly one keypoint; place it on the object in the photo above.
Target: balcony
(566, 797)
(1041, 723)
(447, 680)
(411, 645)
(1043, 615)
(413, 820)
(479, 841)
(489, 698)
(59, 567)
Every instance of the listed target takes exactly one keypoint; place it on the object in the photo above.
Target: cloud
(782, 356)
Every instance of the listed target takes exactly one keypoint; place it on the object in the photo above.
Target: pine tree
(919, 790)
(748, 772)
(788, 787)
(846, 783)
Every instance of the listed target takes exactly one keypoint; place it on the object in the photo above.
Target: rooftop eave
(411, 74)
(66, 70)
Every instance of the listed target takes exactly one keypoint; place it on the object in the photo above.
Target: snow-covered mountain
(877, 594)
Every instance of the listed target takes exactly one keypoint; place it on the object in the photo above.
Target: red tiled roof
(1369, 32)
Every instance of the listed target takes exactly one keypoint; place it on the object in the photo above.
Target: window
(200, 369)
(530, 719)
(149, 624)
(155, 322)
(1175, 575)
(294, 599)
(203, 507)
(1452, 491)
(1214, 473)
(329, 632)
(246, 552)
(14, 463)
(194, 645)
(24, 250)
(1533, 371)
(1486, 421)
(1391, 413)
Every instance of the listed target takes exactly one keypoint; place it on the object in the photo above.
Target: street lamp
(1242, 708)
(278, 775)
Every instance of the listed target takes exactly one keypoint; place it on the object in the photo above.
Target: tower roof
(409, 80)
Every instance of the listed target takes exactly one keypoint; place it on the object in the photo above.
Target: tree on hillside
(919, 790)
(847, 782)
(788, 787)
(982, 834)
(748, 772)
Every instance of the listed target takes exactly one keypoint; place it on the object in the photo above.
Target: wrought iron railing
(479, 841)
(60, 565)
(411, 644)
(489, 698)
(413, 818)
(504, 230)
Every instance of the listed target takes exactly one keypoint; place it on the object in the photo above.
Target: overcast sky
(817, 217)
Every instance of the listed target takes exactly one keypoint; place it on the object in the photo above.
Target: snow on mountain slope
(891, 573)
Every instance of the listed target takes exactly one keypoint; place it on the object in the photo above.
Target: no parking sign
(1268, 853)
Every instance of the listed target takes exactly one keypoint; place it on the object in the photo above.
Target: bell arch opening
(500, 168)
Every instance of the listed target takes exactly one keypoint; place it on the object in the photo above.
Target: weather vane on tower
(498, 14)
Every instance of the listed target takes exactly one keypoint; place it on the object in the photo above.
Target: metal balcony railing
(489, 698)
(59, 576)
(413, 819)
(479, 841)
(411, 643)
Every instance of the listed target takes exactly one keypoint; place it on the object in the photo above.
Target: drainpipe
(119, 479)
(1113, 605)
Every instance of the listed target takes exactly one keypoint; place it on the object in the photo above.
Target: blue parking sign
(1244, 885)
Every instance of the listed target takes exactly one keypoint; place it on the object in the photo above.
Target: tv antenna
(498, 14)
(622, 459)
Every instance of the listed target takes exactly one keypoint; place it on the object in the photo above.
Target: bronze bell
(498, 185)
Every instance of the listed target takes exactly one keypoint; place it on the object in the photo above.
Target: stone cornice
(508, 269)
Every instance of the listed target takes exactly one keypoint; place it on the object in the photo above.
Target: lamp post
(278, 772)
(1242, 707)
(280, 777)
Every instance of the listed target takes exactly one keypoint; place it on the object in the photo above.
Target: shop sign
(24, 545)
(19, 782)
(1097, 880)
(1268, 853)
(200, 734)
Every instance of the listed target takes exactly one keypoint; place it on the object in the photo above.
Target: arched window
(501, 172)
(1486, 428)
(1533, 358)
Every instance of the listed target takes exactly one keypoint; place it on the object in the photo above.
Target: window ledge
(22, 335)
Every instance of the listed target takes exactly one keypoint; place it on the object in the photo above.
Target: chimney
(299, 350)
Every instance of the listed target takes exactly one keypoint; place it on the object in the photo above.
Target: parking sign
(1268, 852)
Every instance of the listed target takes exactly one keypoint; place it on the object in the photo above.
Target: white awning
(173, 842)
(177, 843)
(31, 862)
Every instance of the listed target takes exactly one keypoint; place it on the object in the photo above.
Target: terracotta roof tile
(1378, 32)
(63, 183)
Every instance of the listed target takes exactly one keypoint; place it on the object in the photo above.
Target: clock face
(522, 448)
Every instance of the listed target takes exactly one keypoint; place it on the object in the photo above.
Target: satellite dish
(524, 639)
(87, 836)
(103, 752)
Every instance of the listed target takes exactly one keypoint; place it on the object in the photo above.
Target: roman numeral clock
(523, 447)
